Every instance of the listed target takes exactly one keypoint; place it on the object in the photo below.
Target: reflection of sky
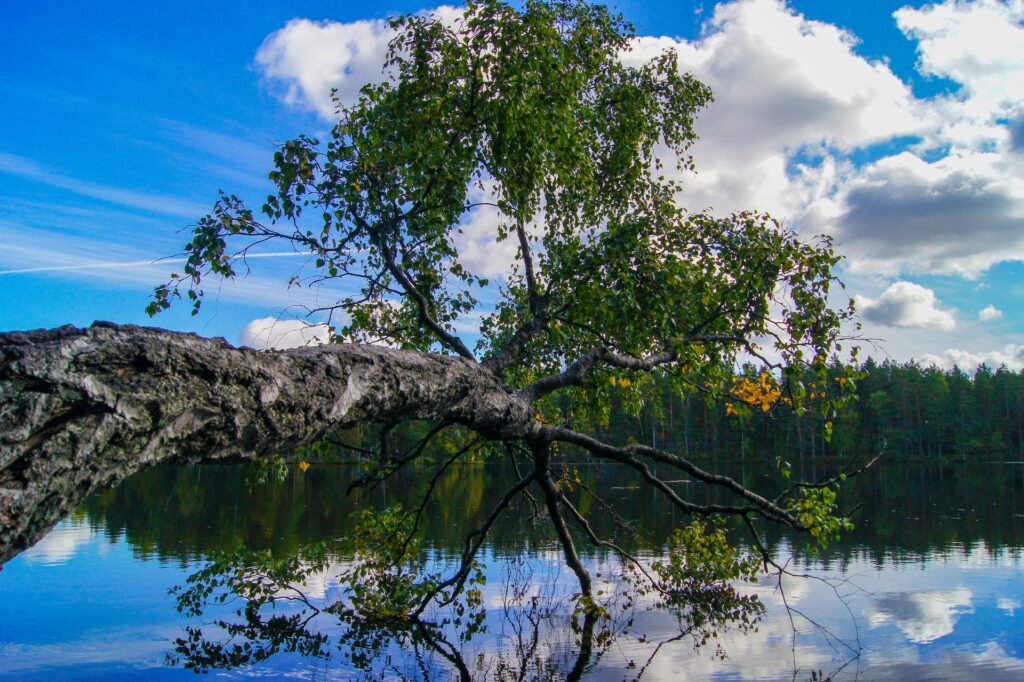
(60, 544)
(80, 605)
(922, 617)
(949, 609)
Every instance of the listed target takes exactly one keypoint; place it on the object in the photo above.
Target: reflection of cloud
(989, 662)
(319, 584)
(60, 545)
(140, 650)
(1008, 605)
(921, 616)
(980, 555)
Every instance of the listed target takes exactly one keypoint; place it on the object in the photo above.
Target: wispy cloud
(83, 259)
(131, 264)
(153, 203)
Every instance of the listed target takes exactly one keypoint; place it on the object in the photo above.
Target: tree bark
(81, 408)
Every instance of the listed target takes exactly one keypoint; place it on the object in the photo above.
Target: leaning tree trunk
(81, 408)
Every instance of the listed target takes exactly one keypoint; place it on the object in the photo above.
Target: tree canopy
(532, 112)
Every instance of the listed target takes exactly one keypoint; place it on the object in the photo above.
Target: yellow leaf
(303, 465)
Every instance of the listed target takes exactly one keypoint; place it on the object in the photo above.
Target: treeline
(901, 410)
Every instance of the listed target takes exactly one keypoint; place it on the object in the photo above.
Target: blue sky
(897, 129)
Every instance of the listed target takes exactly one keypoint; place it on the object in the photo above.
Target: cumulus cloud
(907, 305)
(270, 333)
(960, 214)
(306, 59)
(990, 313)
(1016, 129)
(782, 80)
(795, 107)
(978, 44)
(964, 211)
(783, 84)
(793, 99)
(1011, 356)
(477, 238)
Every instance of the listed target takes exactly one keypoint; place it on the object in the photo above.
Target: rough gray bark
(81, 408)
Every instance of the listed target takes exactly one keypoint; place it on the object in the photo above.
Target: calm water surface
(930, 585)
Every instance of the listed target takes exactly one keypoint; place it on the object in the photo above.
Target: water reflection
(922, 616)
(182, 513)
(532, 631)
(61, 544)
(941, 597)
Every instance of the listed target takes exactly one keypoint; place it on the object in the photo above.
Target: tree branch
(80, 408)
(629, 455)
(576, 373)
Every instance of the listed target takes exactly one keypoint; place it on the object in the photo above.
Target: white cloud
(978, 44)
(990, 313)
(782, 84)
(307, 59)
(270, 333)
(793, 98)
(1011, 355)
(25, 250)
(964, 212)
(782, 81)
(908, 305)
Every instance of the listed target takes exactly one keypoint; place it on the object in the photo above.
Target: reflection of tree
(226, 509)
(262, 606)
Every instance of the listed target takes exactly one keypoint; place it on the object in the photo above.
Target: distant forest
(901, 410)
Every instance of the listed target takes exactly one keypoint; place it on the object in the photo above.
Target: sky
(898, 129)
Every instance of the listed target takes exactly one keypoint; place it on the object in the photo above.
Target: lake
(930, 585)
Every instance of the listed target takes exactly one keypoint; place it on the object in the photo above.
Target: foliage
(383, 575)
(900, 410)
(699, 577)
(258, 580)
